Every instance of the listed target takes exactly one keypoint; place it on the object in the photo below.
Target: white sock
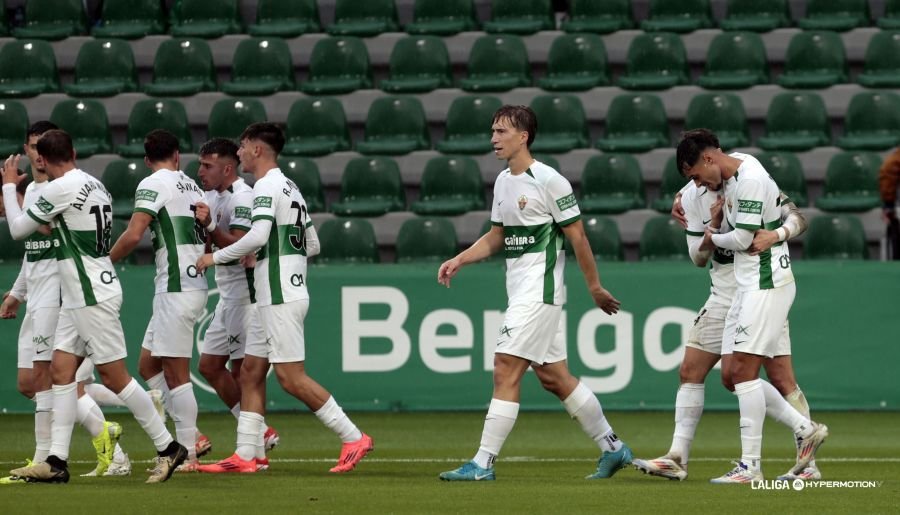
(261, 440)
(780, 410)
(65, 405)
(43, 420)
(335, 419)
(798, 401)
(184, 414)
(584, 406)
(236, 410)
(90, 416)
(499, 421)
(138, 401)
(752, 403)
(102, 395)
(158, 382)
(119, 454)
(688, 408)
(247, 434)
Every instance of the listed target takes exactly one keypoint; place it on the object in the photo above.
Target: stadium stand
(442, 17)
(13, 126)
(612, 183)
(426, 239)
(576, 62)
(87, 123)
(451, 185)
(305, 174)
(130, 19)
(285, 18)
(316, 126)
(347, 241)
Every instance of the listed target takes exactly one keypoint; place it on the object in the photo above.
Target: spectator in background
(888, 179)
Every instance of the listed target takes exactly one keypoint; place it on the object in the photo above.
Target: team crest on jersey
(523, 200)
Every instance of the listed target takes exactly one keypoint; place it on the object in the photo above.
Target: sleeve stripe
(35, 218)
(693, 233)
(145, 210)
(497, 224)
(748, 227)
(570, 221)
(263, 217)
(239, 227)
(309, 224)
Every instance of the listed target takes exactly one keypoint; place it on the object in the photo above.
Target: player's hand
(605, 300)
(249, 261)
(448, 269)
(10, 306)
(707, 242)
(716, 212)
(678, 210)
(205, 261)
(202, 214)
(762, 241)
(11, 170)
(45, 230)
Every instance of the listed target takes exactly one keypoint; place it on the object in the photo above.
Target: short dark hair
(160, 145)
(55, 146)
(692, 144)
(223, 147)
(521, 117)
(267, 132)
(38, 128)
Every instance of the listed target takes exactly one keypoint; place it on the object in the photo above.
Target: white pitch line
(514, 459)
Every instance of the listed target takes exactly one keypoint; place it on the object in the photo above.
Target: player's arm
(602, 297)
(793, 224)
(750, 197)
(695, 229)
(220, 236)
(262, 219)
(21, 224)
(486, 246)
(130, 239)
(678, 209)
(311, 240)
(15, 296)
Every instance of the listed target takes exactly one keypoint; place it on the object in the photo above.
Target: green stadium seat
(672, 182)
(851, 183)
(104, 67)
(576, 62)
(722, 113)
(815, 59)
(520, 16)
(13, 127)
(564, 124)
(52, 20)
(192, 170)
(603, 234)
(121, 178)
(156, 113)
(497, 63)
(423, 240)
(787, 171)
(468, 128)
(182, 67)
(663, 240)
(756, 15)
(678, 16)
(891, 18)
(635, 123)
(837, 15)
(130, 19)
(11, 251)
(347, 241)
(835, 237)
(364, 18)
(442, 17)
(230, 116)
(735, 60)
(796, 122)
(395, 125)
(451, 185)
(315, 127)
(655, 61)
(370, 186)
(872, 121)
(612, 183)
(261, 66)
(40, 76)
(87, 123)
(285, 18)
(338, 66)
(205, 18)
(881, 68)
(598, 17)
(418, 64)
(305, 174)
(548, 160)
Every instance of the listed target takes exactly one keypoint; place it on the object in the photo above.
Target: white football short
(94, 332)
(230, 330)
(283, 328)
(170, 333)
(36, 336)
(25, 353)
(709, 326)
(533, 331)
(757, 322)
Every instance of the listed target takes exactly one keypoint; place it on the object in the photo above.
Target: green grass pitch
(541, 469)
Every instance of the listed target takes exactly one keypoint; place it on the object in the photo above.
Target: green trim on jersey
(263, 217)
(239, 227)
(748, 227)
(274, 266)
(528, 171)
(525, 239)
(68, 250)
(569, 221)
(552, 251)
(496, 224)
(693, 233)
(765, 260)
(145, 210)
(248, 272)
(36, 219)
(39, 248)
(166, 232)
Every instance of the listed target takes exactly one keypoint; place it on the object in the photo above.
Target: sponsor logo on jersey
(523, 200)
(41, 244)
(753, 207)
(241, 212)
(566, 202)
(44, 206)
(145, 195)
(518, 241)
(262, 202)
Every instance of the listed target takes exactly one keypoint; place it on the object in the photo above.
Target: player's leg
(780, 371)
(104, 434)
(215, 355)
(42, 321)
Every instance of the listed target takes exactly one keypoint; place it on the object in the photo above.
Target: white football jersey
(79, 210)
(178, 239)
(696, 203)
(231, 210)
(39, 263)
(280, 274)
(753, 201)
(533, 207)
